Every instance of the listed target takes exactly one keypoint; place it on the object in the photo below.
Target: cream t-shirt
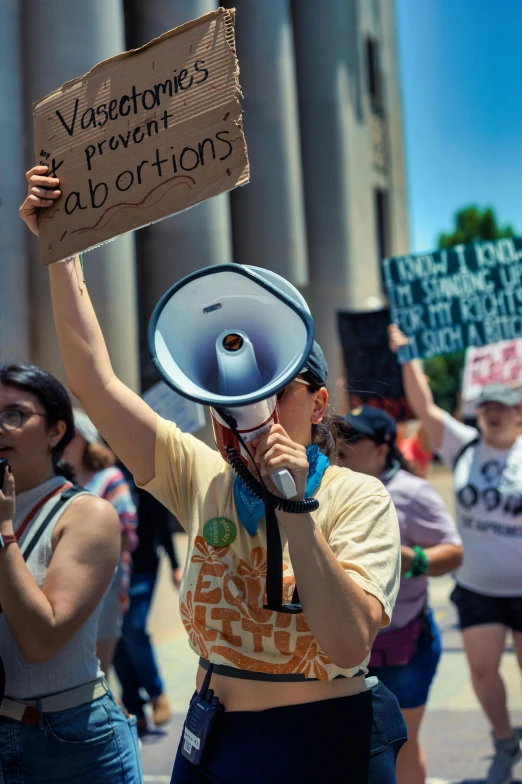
(223, 587)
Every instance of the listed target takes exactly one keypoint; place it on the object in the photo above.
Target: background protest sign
(468, 295)
(188, 416)
(143, 135)
(499, 363)
(373, 373)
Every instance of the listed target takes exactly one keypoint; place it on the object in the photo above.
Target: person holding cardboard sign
(297, 704)
(487, 470)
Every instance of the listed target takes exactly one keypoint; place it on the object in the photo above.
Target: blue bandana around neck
(251, 509)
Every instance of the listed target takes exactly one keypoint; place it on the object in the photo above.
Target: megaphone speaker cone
(272, 324)
(231, 337)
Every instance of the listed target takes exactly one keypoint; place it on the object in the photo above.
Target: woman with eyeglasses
(59, 548)
(297, 704)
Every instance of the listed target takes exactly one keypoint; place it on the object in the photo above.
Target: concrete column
(64, 40)
(201, 236)
(14, 327)
(399, 236)
(329, 107)
(268, 215)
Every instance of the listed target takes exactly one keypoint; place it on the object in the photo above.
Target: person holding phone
(297, 703)
(59, 722)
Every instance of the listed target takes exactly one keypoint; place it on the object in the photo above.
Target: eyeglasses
(281, 395)
(13, 418)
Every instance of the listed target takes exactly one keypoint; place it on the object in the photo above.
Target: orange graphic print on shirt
(224, 616)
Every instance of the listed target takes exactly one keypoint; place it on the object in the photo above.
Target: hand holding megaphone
(232, 338)
(274, 452)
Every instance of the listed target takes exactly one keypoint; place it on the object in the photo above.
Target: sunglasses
(282, 394)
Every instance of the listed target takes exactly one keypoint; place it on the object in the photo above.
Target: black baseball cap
(373, 423)
(497, 393)
(316, 365)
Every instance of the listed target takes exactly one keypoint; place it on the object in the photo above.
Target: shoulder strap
(62, 500)
(464, 449)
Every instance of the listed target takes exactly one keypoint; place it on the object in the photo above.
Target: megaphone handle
(284, 481)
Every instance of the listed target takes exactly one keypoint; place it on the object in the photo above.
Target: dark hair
(345, 432)
(54, 400)
(324, 434)
(395, 456)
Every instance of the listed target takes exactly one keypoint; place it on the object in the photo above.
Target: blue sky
(461, 82)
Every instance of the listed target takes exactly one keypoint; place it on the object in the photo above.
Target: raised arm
(418, 392)
(126, 422)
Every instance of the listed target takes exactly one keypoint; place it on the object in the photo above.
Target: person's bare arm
(442, 558)
(418, 392)
(342, 616)
(43, 620)
(126, 422)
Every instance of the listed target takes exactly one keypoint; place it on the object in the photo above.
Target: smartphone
(3, 468)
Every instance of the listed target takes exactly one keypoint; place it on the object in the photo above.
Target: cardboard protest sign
(468, 295)
(373, 373)
(188, 416)
(143, 135)
(499, 363)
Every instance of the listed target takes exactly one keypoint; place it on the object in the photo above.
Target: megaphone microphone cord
(274, 566)
(260, 490)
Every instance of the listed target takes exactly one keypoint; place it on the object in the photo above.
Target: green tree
(445, 372)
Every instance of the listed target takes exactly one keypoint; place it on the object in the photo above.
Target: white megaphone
(232, 337)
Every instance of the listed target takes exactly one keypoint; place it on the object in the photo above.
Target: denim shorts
(348, 739)
(411, 682)
(91, 744)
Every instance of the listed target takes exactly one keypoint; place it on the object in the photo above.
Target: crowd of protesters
(77, 586)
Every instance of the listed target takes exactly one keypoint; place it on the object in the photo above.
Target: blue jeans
(134, 660)
(91, 744)
(349, 739)
(411, 682)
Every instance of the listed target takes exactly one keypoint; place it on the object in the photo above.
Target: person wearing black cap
(487, 471)
(406, 654)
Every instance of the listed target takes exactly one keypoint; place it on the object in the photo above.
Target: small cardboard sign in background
(188, 416)
(373, 373)
(499, 363)
(141, 136)
(468, 295)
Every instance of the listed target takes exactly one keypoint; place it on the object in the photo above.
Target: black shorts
(347, 739)
(476, 609)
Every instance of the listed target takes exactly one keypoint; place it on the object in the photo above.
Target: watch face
(2, 543)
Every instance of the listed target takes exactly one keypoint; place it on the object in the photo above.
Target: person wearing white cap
(95, 469)
(487, 471)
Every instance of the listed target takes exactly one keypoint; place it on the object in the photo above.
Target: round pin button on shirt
(219, 531)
